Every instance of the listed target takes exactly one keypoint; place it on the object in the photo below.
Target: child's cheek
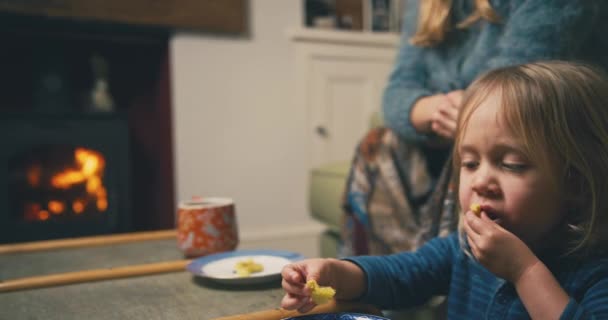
(464, 193)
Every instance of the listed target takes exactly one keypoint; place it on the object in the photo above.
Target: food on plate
(476, 208)
(320, 295)
(245, 268)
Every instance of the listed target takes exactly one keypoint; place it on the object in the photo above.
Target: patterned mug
(206, 225)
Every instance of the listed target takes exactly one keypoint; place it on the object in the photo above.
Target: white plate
(219, 267)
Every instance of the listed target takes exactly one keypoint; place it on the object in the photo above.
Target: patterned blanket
(392, 201)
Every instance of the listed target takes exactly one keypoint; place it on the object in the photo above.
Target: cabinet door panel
(345, 94)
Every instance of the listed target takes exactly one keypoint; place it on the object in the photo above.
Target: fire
(56, 206)
(78, 206)
(43, 215)
(33, 175)
(87, 171)
(90, 166)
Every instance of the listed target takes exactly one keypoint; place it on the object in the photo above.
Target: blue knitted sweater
(441, 267)
(530, 30)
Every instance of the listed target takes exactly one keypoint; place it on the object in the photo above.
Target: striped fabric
(441, 268)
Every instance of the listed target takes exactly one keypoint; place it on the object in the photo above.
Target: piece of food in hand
(476, 208)
(245, 268)
(320, 295)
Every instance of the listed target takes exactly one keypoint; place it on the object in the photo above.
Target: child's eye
(469, 164)
(515, 167)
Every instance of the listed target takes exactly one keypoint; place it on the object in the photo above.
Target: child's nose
(484, 182)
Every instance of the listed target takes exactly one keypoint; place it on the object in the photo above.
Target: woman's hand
(444, 118)
(497, 249)
(437, 114)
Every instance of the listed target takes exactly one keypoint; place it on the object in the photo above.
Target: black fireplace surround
(27, 136)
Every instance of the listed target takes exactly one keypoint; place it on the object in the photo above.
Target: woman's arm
(407, 85)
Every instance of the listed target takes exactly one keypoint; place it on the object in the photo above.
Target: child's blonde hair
(434, 20)
(559, 111)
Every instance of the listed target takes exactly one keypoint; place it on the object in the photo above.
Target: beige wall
(237, 130)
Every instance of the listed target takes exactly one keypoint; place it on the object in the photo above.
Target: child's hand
(497, 249)
(297, 295)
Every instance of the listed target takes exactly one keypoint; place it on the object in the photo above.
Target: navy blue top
(441, 267)
(530, 30)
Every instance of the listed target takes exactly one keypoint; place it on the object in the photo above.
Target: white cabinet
(340, 78)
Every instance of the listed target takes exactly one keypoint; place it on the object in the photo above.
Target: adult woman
(398, 194)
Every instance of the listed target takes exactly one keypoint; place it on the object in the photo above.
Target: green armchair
(326, 186)
(325, 195)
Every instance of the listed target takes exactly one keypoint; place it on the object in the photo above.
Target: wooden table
(166, 295)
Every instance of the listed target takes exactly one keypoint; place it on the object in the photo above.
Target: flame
(90, 165)
(43, 215)
(67, 179)
(32, 211)
(102, 204)
(34, 173)
(87, 171)
(56, 206)
(78, 206)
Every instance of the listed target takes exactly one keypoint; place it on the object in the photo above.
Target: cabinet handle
(322, 131)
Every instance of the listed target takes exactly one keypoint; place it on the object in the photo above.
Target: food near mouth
(245, 268)
(320, 295)
(476, 208)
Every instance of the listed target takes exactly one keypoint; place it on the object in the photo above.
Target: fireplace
(65, 177)
(85, 130)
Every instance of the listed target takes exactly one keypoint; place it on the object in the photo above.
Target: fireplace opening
(66, 176)
(85, 129)
(59, 183)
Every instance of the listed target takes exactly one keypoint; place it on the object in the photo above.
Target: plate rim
(337, 314)
(195, 266)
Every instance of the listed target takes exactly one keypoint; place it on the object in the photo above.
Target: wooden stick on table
(86, 241)
(279, 313)
(92, 275)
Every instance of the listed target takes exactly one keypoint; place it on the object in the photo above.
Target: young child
(532, 150)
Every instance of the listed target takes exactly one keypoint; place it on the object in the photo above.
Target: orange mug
(206, 225)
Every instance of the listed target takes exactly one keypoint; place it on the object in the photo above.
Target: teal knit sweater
(530, 30)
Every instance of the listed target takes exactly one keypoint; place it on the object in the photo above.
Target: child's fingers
(307, 307)
(294, 288)
(473, 246)
(293, 274)
(472, 234)
(473, 223)
(485, 217)
(292, 301)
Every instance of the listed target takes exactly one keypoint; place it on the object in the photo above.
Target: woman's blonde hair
(434, 20)
(559, 112)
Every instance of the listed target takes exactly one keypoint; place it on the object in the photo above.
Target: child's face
(494, 172)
